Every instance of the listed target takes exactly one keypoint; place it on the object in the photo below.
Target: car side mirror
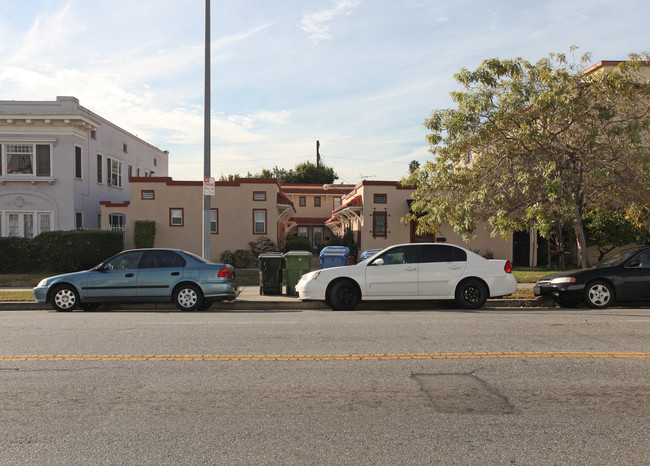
(379, 261)
(634, 263)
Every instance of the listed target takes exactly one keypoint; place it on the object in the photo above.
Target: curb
(248, 305)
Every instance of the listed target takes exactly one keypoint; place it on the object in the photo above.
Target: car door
(159, 272)
(115, 278)
(635, 276)
(441, 266)
(394, 273)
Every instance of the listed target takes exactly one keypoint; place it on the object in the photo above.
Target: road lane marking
(320, 357)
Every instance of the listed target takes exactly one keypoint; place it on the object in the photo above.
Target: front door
(394, 273)
(117, 278)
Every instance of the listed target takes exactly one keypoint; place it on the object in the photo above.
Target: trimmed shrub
(297, 243)
(144, 233)
(16, 255)
(59, 251)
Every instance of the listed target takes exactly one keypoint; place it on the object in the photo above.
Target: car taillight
(225, 273)
(508, 267)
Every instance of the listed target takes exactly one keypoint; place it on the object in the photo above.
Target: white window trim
(4, 142)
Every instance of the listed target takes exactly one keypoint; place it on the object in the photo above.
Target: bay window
(21, 160)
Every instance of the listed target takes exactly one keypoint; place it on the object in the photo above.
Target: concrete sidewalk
(249, 299)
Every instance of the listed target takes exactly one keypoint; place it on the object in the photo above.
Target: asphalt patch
(462, 394)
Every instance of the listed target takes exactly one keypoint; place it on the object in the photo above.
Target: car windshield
(617, 259)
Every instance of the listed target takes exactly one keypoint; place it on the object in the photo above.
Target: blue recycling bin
(370, 252)
(334, 256)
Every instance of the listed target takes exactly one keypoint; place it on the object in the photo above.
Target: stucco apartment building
(247, 209)
(58, 160)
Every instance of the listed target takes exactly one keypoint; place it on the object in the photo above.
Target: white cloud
(315, 23)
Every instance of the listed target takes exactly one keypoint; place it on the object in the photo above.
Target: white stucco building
(58, 160)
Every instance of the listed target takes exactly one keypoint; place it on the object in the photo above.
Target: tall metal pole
(206, 136)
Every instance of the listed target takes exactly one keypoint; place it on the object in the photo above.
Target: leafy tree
(305, 172)
(607, 229)
(529, 144)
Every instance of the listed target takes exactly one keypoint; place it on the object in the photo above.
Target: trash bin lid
(332, 251)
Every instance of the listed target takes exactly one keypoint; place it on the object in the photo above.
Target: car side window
(644, 259)
(162, 259)
(126, 261)
(442, 253)
(400, 255)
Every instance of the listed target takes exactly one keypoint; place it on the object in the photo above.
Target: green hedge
(59, 251)
(144, 233)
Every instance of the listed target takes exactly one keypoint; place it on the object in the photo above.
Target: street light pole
(206, 137)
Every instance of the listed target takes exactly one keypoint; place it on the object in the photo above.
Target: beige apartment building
(246, 209)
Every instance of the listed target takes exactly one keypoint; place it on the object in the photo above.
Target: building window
(259, 221)
(303, 231)
(214, 221)
(93, 134)
(137, 172)
(259, 196)
(130, 171)
(114, 172)
(379, 221)
(116, 221)
(337, 202)
(77, 162)
(155, 162)
(26, 159)
(148, 194)
(79, 220)
(100, 166)
(22, 223)
(317, 201)
(125, 148)
(381, 198)
(176, 217)
(302, 201)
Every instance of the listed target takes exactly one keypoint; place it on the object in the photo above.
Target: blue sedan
(142, 276)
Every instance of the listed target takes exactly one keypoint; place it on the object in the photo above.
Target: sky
(360, 76)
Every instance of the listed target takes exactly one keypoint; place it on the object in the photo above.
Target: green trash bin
(297, 263)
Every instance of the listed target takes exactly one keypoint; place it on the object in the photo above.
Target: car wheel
(598, 294)
(188, 297)
(89, 306)
(65, 298)
(344, 296)
(471, 294)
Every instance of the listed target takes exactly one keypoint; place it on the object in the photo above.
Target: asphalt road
(319, 387)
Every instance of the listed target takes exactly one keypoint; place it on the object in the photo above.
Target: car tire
(598, 294)
(344, 296)
(65, 298)
(188, 297)
(471, 294)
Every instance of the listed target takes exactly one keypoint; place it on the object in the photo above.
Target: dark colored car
(142, 276)
(622, 277)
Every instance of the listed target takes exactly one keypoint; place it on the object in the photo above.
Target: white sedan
(418, 271)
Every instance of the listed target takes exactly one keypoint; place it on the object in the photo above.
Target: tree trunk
(582, 241)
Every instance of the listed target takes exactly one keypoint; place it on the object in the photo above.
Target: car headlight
(559, 280)
(311, 275)
(43, 282)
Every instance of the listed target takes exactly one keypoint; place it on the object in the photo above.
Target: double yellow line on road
(318, 357)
